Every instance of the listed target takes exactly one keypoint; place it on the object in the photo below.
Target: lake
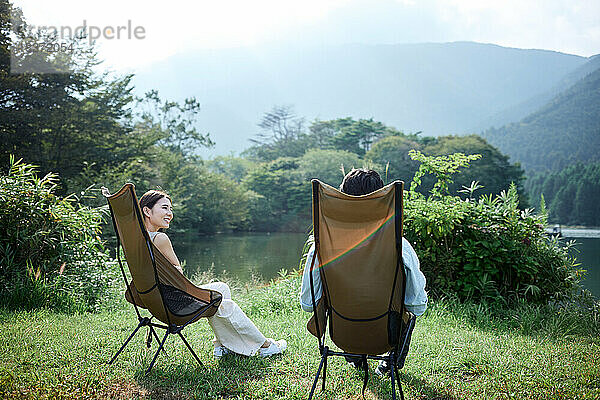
(241, 255)
(263, 255)
(587, 251)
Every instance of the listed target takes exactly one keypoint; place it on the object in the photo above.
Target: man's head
(361, 181)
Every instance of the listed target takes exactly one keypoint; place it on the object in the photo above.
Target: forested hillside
(522, 109)
(572, 195)
(565, 131)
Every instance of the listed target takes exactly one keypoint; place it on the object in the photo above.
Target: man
(359, 182)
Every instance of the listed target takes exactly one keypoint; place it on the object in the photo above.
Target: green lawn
(459, 351)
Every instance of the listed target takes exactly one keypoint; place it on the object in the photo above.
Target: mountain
(437, 88)
(563, 132)
(522, 109)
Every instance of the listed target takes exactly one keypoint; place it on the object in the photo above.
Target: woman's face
(160, 215)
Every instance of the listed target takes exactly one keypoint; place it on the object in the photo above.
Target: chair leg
(312, 390)
(399, 383)
(162, 343)
(190, 349)
(137, 328)
(394, 375)
(393, 379)
(157, 339)
(324, 373)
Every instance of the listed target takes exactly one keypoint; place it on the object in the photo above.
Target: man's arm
(305, 295)
(415, 298)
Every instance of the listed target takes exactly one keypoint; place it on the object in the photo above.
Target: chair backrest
(157, 284)
(358, 240)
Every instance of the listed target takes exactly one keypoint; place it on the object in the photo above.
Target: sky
(168, 28)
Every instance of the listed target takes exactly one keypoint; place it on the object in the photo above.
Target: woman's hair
(150, 198)
(361, 181)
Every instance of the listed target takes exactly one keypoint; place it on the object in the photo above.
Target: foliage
(61, 120)
(282, 199)
(357, 136)
(235, 168)
(282, 135)
(205, 202)
(392, 152)
(441, 167)
(328, 166)
(571, 194)
(492, 170)
(486, 248)
(172, 123)
(50, 251)
(90, 128)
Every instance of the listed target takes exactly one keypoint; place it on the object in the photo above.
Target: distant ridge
(565, 131)
(437, 88)
(521, 110)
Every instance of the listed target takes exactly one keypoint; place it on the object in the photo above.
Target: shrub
(51, 254)
(486, 249)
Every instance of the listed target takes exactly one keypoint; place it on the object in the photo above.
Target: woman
(234, 332)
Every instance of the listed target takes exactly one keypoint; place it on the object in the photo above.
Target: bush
(51, 254)
(486, 249)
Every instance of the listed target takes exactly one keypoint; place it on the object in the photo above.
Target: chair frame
(324, 350)
(170, 328)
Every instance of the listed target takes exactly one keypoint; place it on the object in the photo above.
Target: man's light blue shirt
(415, 297)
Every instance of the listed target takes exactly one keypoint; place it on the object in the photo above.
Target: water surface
(241, 255)
(587, 251)
(263, 255)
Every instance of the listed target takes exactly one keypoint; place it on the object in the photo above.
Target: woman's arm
(163, 244)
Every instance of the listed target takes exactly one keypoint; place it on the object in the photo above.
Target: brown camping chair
(358, 241)
(156, 284)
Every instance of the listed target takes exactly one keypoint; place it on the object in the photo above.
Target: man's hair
(150, 198)
(361, 181)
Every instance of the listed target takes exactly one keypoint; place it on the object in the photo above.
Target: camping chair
(358, 240)
(156, 284)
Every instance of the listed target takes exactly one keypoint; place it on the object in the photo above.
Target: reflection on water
(241, 255)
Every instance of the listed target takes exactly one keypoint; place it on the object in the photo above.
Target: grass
(458, 351)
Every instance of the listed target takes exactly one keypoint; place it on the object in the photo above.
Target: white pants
(232, 328)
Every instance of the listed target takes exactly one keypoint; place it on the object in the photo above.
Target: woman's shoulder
(159, 239)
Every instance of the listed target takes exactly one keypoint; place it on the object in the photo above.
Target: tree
(59, 120)
(283, 197)
(231, 166)
(89, 128)
(281, 135)
(572, 194)
(392, 154)
(172, 123)
(493, 171)
(357, 136)
(328, 166)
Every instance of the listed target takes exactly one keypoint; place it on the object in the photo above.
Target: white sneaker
(220, 351)
(276, 347)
